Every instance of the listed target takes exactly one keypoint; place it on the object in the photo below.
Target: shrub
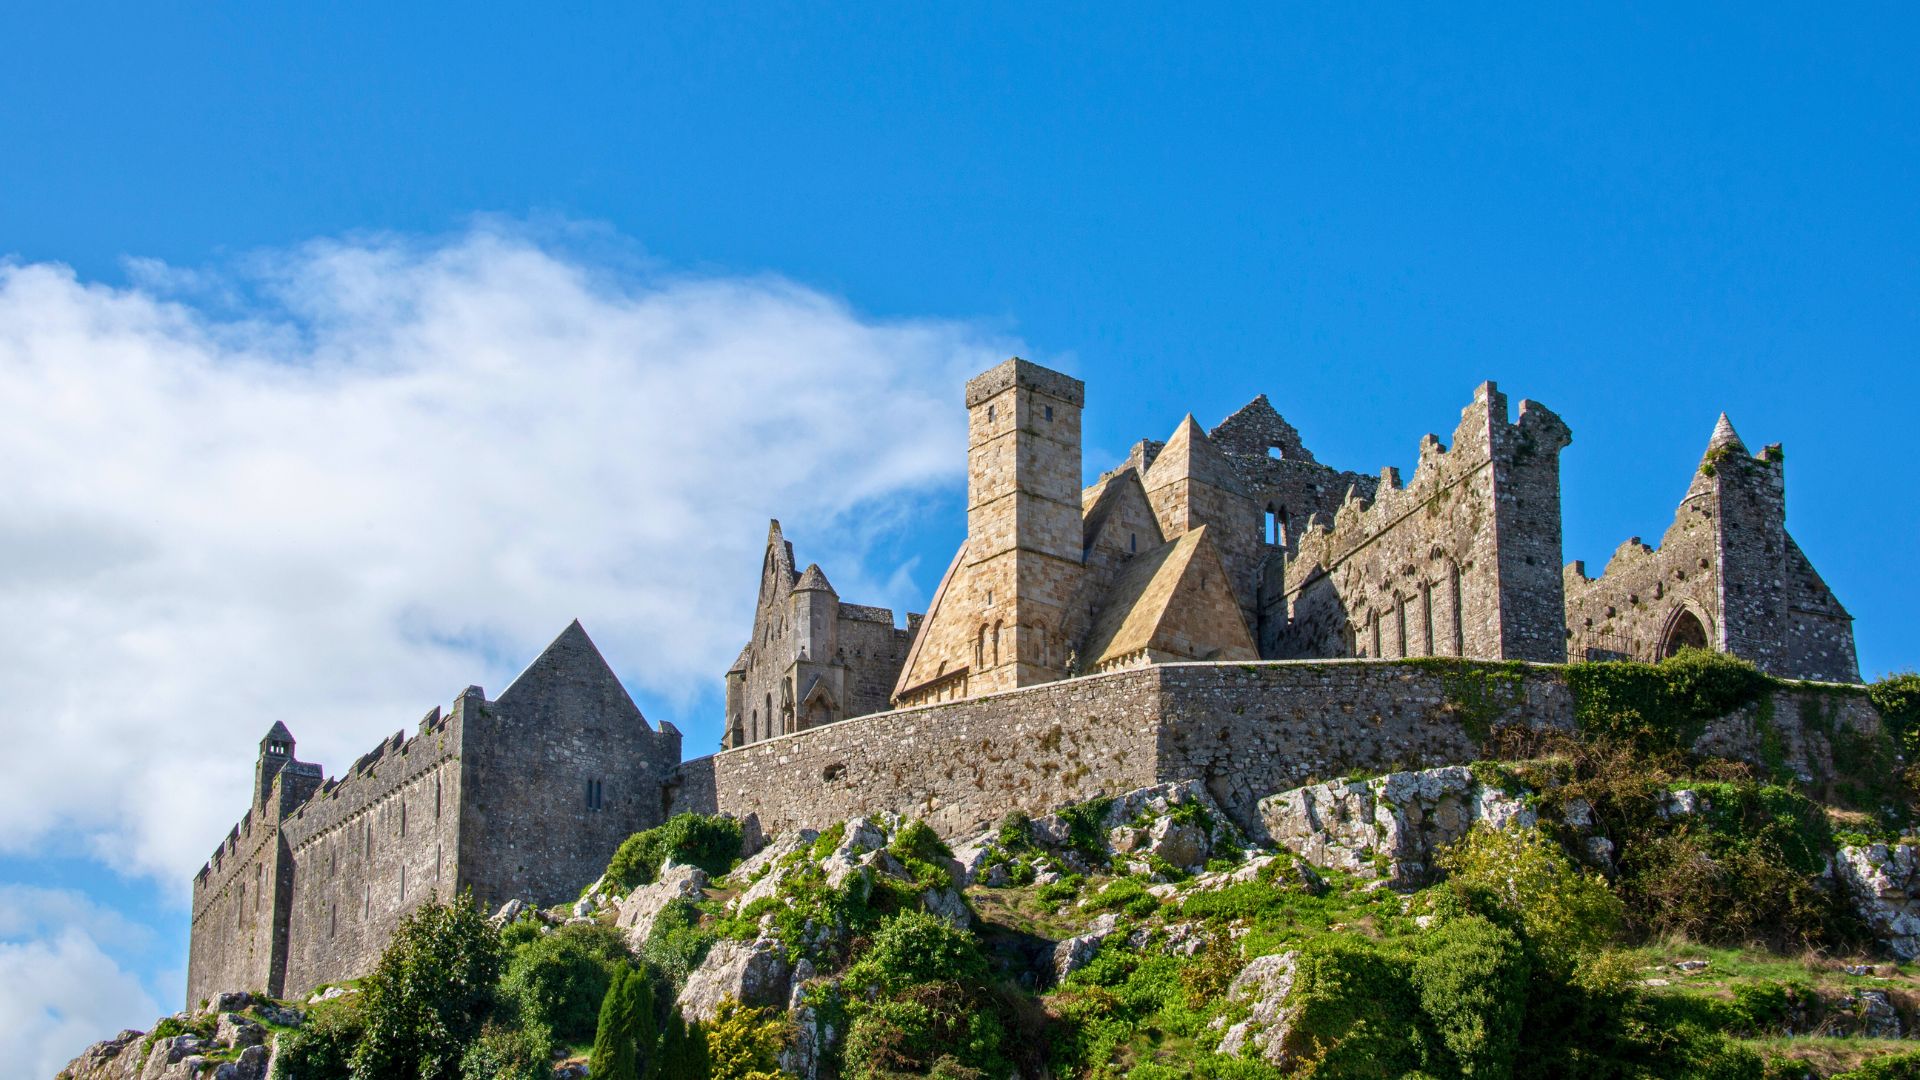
(917, 840)
(914, 948)
(1054, 892)
(1124, 894)
(1892, 1067)
(429, 993)
(1563, 913)
(1663, 706)
(504, 1052)
(710, 842)
(1898, 699)
(744, 1044)
(559, 979)
(322, 1048)
(927, 1027)
(1354, 1010)
(676, 944)
(624, 1040)
(1471, 979)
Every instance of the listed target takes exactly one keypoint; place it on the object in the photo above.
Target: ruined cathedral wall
(874, 650)
(369, 848)
(1462, 561)
(1626, 612)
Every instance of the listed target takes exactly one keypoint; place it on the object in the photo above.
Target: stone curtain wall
(874, 649)
(1245, 729)
(240, 898)
(372, 847)
(958, 764)
(1249, 730)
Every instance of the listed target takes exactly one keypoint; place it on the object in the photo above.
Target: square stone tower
(1023, 552)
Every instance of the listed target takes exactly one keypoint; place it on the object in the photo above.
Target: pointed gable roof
(570, 677)
(278, 733)
(814, 578)
(1255, 427)
(1174, 600)
(1190, 455)
(1724, 437)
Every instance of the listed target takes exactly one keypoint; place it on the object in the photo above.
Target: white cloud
(340, 486)
(60, 993)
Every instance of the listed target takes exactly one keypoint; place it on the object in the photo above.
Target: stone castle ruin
(1219, 607)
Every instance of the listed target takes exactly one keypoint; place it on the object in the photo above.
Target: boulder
(177, 1058)
(1882, 882)
(949, 905)
(1876, 1015)
(508, 912)
(250, 1065)
(643, 905)
(1184, 846)
(970, 857)
(226, 1001)
(1266, 981)
(861, 836)
(1078, 951)
(1388, 827)
(783, 845)
(753, 973)
(233, 1030)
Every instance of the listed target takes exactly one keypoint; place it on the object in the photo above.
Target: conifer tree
(683, 1050)
(625, 1046)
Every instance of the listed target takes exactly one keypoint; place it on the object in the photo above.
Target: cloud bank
(340, 484)
(59, 988)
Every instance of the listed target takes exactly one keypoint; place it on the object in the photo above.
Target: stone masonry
(522, 797)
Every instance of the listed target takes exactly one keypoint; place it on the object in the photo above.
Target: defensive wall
(1246, 729)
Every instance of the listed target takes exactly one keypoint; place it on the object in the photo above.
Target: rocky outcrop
(1883, 883)
(1389, 827)
(1266, 982)
(750, 972)
(637, 912)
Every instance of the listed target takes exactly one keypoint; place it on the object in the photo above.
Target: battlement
(1025, 375)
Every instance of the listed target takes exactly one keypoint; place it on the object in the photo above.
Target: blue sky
(1639, 217)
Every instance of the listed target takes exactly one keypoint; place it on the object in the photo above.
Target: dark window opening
(1133, 543)
(595, 795)
(1049, 410)
(989, 414)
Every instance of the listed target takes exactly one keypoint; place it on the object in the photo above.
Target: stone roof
(1190, 455)
(813, 578)
(571, 676)
(1155, 602)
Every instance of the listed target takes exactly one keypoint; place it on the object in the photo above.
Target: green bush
(625, 1039)
(677, 943)
(917, 840)
(1892, 1067)
(913, 948)
(744, 1044)
(1471, 980)
(925, 1027)
(505, 1052)
(1563, 912)
(322, 1048)
(1124, 894)
(429, 993)
(711, 843)
(1054, 892)
(1898, 699)
(1355, 1012)
(1663, 706)
(559, 979)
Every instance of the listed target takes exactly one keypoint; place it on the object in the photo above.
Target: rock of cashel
(1219, 608)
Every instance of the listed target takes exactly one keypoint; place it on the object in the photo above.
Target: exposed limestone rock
(117, 1058)
(754, 973)
(1266, 981)
(783, 845)
(1078, 951)
(234, 1030)
(508, 912)
(970, 857)
(227, 1001)
(644, 905)
(1185, 846)
(949, 905)
(1876, 1015)
(1389, 827)
(1883, 882)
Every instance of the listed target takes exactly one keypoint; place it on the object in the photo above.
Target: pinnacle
(1725, 436)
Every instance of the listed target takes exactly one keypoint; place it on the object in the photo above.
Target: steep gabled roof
(1174, 600)
(571, 676)
(1190, 455)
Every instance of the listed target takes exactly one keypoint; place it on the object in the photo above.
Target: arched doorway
(1684, 631)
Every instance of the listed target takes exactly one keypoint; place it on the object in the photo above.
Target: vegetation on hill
(1706, 938)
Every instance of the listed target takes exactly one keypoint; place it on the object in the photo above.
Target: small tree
(429, 994)
(625, 1045)
(744, 1043)
(683, 1050)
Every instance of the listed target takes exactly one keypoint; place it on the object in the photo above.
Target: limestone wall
(369, 848)
(958, 764)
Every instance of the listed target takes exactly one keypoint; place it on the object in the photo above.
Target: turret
(276, 750)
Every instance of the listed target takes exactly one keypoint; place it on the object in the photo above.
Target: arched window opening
(1459, 618)
(1400, 626)
(980, 648)
(1373, 628)
(996, 644)
(1685, 632)
(1276, 525)
(1426, 620)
